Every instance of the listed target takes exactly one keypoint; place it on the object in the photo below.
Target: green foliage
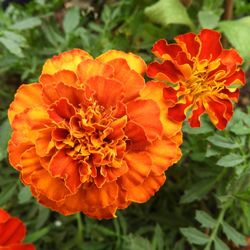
(205, 201)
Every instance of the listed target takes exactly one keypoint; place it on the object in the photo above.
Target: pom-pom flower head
(12, 233)
(204, 76)
(90, 137)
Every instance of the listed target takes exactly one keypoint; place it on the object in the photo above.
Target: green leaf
(198, 190)
(205, 219)
(14, 37)
(237, 32)
(203, 129)
(234, 235)
(42, 216)
(71, 19)
(194, 236)
(222, 142)
(24, 195)
(33, 237)
(28, 23)
(133, 242)
(230, 160)
(167, 12)
(208, 19)
(12, 46)
(5, 132)
(7, 193)
(219, 244)
(158, 239)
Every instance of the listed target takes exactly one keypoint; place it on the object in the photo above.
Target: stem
(217, 226)
(79, 236)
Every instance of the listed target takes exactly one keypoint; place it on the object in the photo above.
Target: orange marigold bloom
(90, 137)
(12, 233)
(204, 76)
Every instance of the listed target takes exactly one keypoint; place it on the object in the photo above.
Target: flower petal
(146, 113)
(90, 68)
(135, 62)
(68, 60)
(102, 86)
(139, 167)
(27, 96)
(147, 189)
(64, 167)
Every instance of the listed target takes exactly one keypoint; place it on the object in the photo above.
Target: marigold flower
(89, 136)
(204, 76)
(12, 233)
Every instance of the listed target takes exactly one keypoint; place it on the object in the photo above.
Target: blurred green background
(205, 203)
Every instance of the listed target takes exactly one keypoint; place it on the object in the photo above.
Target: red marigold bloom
(12, 233)
(90, 137)
(204, 76)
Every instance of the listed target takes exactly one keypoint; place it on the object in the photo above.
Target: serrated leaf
(194, 236)
(167, 12)
(237, 32)
(220, 245)
(230, 160)
(205, 219)
(198, 190)
(5, 132)
(12, 46)
(208, 19)
(28, 23)
(222, 142)
(71, 19)
(233, 235)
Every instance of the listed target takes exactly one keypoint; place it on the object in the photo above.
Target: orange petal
(102, 213)
(27, 96)
(143, 192)
(68, 60)
(65, 76)
(4, 216)
(132, 82)
(64, 167)
(164, 153)
(44, 142)
(154, 91)
(61, 110)
(230, 58)
(53, 93)
(139, 167)
(188, 43)
(211, 47)
(90, 68)
(146, 113)
(95, 197)
(118, 127)
(29, 164)
(102, 86)
(135, 62)
(51, 187)
(165, 71)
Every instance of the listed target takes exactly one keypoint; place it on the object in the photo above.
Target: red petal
(230, 58)
(197, 111)
(211, 46)
(177, 113)
(165, 71)
(188, 43)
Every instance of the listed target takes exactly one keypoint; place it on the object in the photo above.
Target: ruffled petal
(147, 189)
(135, 62)
(68, 60)
(27, 96)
